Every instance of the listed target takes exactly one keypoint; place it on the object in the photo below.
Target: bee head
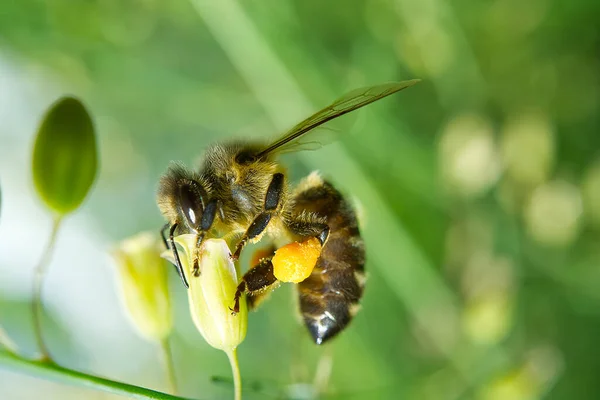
(182, 196)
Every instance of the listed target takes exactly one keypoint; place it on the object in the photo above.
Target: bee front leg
(208, 217)
(171, 245)
(255, 280)
(163, 236)
(260, 222)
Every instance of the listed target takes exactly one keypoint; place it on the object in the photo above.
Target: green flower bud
(211, 294)
(144, 285)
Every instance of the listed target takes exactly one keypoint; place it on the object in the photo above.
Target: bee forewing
(351, 101)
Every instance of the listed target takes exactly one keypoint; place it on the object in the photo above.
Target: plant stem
(7, 342)
(38, 281)
(235, 371)
(51, 371)
(323, 372)
(169, 365)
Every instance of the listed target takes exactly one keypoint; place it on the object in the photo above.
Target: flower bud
(212, 293)
(144, 285)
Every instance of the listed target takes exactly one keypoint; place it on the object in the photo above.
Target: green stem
(51, 371)
(323, 372)
(169, 365)
(7, 342)
(38, 281)
(235, 370)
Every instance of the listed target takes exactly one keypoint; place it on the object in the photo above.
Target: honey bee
(241, 189)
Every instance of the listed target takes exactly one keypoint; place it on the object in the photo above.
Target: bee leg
(265, 252)
(256, 228)
(304, 227)
(208, 217)
(254, 281)
(163, 236)
(171, 245)
(262, 220)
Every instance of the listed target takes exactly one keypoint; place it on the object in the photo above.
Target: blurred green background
(479, 187)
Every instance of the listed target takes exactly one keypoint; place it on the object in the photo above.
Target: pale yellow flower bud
(144, 285)
(212, 293)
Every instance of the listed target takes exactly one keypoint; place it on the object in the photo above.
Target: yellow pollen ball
(294, 262)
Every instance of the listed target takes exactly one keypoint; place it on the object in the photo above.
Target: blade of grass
(53, 372)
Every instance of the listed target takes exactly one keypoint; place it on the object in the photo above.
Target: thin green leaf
(65, 156)
(56, 373)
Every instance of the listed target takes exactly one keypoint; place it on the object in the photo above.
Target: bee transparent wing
(349, 102)
(319, 137)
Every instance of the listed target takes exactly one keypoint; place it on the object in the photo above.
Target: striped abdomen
(329, 296)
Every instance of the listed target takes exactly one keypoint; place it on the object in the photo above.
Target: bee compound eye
(191, 204)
